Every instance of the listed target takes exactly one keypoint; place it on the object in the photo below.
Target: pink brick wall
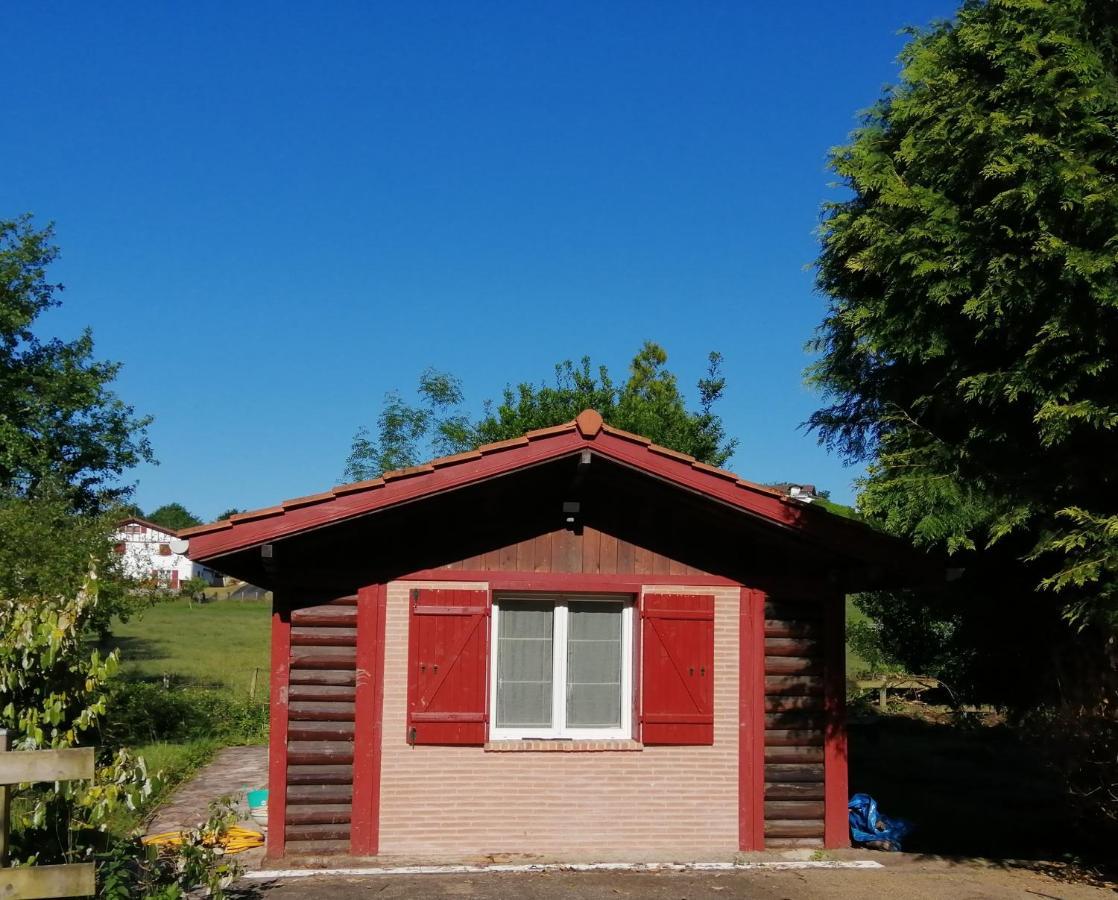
(671, 801)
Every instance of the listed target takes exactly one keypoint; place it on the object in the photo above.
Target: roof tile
(589, 423)
(673, 454)
(760, 488)
(219, 525)
(256, 514)
(714, 470)
(456, 458)
(627, 435)
(503, 445)
(354, 486)
(408, 472)
(308, 500)
(544, 432)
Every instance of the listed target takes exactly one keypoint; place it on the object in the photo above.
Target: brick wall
(668, 800)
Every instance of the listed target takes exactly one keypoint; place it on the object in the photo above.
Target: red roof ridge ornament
(589, 423)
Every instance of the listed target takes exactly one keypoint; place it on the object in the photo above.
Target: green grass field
(217, 644)
(208, 655)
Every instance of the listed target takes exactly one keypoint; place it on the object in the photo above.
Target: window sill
(582, 745)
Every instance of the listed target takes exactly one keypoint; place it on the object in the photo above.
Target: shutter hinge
(411, 735)
(415, 598)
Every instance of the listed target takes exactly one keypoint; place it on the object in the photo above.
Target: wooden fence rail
(913, 683)
(21, 767)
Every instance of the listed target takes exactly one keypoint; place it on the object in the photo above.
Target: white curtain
(524, 665)
(594, 665)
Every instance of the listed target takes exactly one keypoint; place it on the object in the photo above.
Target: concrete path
(230, 772)
(903, 877)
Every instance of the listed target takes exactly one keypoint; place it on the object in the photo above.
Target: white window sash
(559, 629)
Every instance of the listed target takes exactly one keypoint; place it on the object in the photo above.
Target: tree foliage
(174, 516)
(60, 421)
(970, 347)
(65, 440)
(648, 402)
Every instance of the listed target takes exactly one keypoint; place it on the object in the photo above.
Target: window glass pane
(524, 664)
(594, 665)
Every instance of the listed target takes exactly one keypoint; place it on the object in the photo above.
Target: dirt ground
(902, 877)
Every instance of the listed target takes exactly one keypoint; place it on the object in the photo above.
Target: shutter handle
(691, 671)
(423, 667)
(703, 671)
(435, 667)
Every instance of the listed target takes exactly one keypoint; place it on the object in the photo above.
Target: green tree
(65, 440)
(174, 516)
(48, 550)
(648, 402)
(970, 349)
(60, 421)
(407, 434)
(231, 511)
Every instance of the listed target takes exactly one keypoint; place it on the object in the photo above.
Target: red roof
(586, 432)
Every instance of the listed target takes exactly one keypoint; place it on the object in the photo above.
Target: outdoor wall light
(570, 510)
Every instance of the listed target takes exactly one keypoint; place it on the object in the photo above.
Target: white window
(561, 666)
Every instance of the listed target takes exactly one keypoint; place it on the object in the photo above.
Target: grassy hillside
(186, 685)
(216, 644)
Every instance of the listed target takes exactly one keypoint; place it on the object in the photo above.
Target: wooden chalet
(571, 644)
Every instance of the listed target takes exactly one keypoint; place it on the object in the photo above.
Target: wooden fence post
(24, 767)
(5, 802)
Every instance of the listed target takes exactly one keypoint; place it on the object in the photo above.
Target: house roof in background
(129, 520)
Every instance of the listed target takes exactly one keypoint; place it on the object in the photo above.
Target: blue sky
(272, 214)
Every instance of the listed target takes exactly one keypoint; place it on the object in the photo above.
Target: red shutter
(677, 666)
(448, 672)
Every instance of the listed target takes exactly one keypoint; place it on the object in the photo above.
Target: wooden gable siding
(587, 551)
(794, 723)
(320, 728)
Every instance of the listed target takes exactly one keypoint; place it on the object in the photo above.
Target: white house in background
(148, 551)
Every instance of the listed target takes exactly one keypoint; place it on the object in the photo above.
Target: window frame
(559, 729)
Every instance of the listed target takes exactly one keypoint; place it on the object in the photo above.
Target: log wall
(320, 727)
(794, 724)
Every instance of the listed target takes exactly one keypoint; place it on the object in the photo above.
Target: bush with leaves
(131, 869)
(55, 686)
(142, 712)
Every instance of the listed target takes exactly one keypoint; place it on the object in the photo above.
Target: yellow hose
(232, 840)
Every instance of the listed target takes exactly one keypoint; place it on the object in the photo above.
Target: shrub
(1081, 745)
(142, 712)
(129, 868)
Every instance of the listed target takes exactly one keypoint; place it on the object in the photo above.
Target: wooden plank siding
(585, 551)
(794, 724)
(320, 727)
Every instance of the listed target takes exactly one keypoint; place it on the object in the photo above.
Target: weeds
(144, 712)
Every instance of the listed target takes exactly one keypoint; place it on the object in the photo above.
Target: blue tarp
(871, 828)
